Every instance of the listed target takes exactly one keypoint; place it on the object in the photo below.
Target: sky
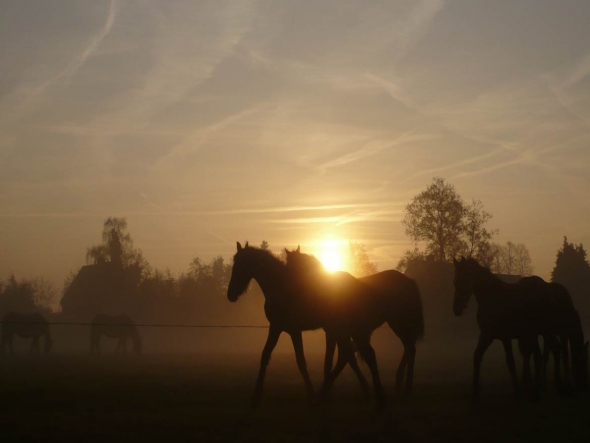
(206, 123)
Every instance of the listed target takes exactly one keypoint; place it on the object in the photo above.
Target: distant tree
(436, 217)
(571, 267)
(28, 295)
(357, 260)
(211, 278)
(439, 217)
(495, 259)
(409, 256)
(477, 237)
(264, 245)
(117, 246)
(523, 262)
(510, 259)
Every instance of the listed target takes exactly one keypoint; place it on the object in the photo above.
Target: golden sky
(204, 123)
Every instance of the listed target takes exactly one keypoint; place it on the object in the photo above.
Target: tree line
(119, 278)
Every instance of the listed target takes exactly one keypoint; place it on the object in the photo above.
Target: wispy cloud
(81, 58)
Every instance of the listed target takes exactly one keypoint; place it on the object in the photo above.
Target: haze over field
(203, 123)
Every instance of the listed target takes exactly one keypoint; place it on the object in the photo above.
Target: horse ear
(298, 249)
(239, 246)
(246, 245)
(455, 262)
(463, 258)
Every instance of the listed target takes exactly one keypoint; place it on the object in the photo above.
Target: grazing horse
(114, 326)
(522, 310)
(286, 310)
(399, 304)
(26, 326)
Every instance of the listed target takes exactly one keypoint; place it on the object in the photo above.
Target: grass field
(206, 398)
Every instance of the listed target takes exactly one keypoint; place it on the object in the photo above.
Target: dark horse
(114, 326)
(399, 302)
(286, 310)
(567, 335)
(522, 311)
(26, 326)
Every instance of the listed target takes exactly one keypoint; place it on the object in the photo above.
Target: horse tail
(415, 312)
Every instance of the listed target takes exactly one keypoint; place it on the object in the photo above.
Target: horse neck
(487, 285)
(270, 275)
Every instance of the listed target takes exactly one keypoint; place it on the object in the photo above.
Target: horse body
(287, 308)
(114, 326)
(522, 310)
(25, 326)
(387, 296)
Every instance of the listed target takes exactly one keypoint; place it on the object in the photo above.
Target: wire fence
(147, 325)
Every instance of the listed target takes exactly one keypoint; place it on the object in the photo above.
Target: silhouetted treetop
(439, 217)
(571, 266)
(117, 246)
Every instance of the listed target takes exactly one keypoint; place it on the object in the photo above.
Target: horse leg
(547, 346)
(301, 363)
(401, 372)
(344, 354)
(555, 347)
(482, 345)
(410, 349)
(271, 341)
(368, 354)
(354, 365)
(525, 349)
(567, 384)
(329, 357)
(511, 364)
(538, 361)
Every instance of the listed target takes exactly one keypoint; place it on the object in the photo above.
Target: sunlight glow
(330, 254)
(331, 260)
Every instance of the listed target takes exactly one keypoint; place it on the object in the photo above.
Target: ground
(206, 397)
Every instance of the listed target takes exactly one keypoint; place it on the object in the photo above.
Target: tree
(571, 267)
(439, 217)
(477, 237)
(117, 246)
(510, 259)
(436, 216)
(357, 260)
(410, 255)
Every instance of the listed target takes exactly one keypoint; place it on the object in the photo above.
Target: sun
(331, 260)
(330, 254)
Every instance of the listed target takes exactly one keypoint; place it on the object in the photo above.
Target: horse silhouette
(25, 326)
(286, 310)
(567, 334)
(114, 326)
(399, 304)
(523, 311)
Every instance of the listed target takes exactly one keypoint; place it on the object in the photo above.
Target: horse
(26, 326)
(569, 334)
(400, 305)
(114, 326)
(285, 310)
(522, 310)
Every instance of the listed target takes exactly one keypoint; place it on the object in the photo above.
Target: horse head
(241, 274)
(467, 273)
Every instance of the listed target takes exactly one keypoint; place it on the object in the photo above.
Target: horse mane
(259, 253)
(309, 261)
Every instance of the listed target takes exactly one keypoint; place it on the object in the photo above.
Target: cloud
(81, 58)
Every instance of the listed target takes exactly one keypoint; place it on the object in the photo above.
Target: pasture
(205, 397)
